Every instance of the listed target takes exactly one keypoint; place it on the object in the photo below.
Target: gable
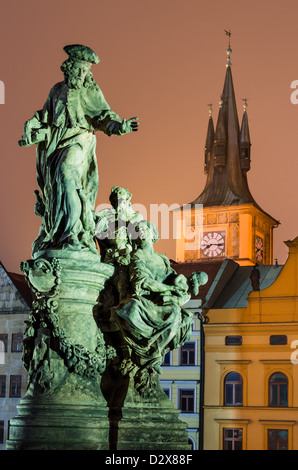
(11, 300)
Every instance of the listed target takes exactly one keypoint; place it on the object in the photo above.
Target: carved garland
(77, 357)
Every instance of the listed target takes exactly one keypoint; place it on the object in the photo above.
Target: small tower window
(278, 339)
(233, 340)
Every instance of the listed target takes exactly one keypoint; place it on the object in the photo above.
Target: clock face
(259, 247)
(212, 244)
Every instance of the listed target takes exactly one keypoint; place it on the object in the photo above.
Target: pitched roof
(22, 286)
(15, 293)
(233, 283)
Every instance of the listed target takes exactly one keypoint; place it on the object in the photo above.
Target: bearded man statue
(64, 133)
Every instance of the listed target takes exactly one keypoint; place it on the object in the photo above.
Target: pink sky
(164, 61)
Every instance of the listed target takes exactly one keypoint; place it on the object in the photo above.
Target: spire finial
(210, 109)
(229, 50)
(220, 102)
(244, 103)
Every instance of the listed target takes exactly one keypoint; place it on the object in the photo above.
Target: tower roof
(227, 158)
(227, 182)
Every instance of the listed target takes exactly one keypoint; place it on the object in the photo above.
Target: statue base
(151, 424)
(74, 418)
(142, 423)
(65, 354)
(152, 428)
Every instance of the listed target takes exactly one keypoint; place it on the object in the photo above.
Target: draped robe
(66, 163)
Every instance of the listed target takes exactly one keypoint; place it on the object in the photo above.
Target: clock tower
(225, 221)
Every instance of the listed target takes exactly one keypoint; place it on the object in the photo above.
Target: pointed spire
(220, 140)
(229, 102)
(226, 182)
(220, 133)
(234, 173)
(244, 133)
(209, 141)
(244, 141)
(228, 96)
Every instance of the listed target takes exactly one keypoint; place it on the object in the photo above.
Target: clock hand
(214, 244)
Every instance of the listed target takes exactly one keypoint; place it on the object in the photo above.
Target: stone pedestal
(139, 422)
(68, 420)
(151, 423)
(65, 355)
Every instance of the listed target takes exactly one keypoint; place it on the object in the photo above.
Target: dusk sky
(163, 61)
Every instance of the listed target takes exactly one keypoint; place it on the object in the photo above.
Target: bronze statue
(64, 133)
(143, 305)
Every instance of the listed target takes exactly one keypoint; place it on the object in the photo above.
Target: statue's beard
(75, 82)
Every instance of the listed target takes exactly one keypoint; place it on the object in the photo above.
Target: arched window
(278, 389)
(233, 389)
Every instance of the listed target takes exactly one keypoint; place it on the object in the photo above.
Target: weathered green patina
(142, 316)
(64, 134)
(65, 355)
(64, 350)
(144, 300)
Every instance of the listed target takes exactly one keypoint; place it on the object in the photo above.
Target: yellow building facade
(251, 367)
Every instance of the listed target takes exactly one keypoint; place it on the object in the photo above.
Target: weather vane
(228, 33)
(244, 103)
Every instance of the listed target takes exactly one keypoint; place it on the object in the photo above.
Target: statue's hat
(80, 52)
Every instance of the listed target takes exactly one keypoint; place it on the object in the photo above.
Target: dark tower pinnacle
(209, 141)
(244, 141)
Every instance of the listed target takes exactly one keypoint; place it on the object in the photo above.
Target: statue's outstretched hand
(26, 138)
(130, 125)
(34, 132)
